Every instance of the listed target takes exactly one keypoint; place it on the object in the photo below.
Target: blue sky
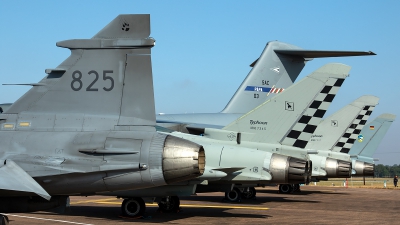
(204, 48)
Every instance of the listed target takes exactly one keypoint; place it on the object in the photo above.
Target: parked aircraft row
(89, 128)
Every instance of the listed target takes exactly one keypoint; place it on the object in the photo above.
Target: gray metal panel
(68, 122)
(137, 106)
(38, 121)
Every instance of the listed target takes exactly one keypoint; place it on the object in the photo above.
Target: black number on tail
(76, 79)
(89, 88)
(105, 77)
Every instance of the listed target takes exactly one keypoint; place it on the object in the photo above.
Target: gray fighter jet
(59, 139)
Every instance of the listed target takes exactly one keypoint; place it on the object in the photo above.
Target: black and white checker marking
(308, 122)
(347, 140)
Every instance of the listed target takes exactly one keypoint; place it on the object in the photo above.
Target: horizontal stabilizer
(230, 169)
(321, 53)
(14, 178)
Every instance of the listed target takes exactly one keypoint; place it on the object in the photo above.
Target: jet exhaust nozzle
(364, 169)
(337, 168)
(286, 169)
(182, 160)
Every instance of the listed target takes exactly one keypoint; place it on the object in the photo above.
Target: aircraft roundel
(360, 138)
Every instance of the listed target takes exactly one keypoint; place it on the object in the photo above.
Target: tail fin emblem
(289, 106)
(275, 69)
(125, 26)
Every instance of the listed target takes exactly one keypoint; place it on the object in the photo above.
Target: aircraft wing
(14, 178)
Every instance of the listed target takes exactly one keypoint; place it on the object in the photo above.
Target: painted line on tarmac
(92, 201)
(38, 218)
(199, 206)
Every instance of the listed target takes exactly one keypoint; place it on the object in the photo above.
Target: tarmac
(313, 205)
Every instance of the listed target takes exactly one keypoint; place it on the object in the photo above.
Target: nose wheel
(133, 207)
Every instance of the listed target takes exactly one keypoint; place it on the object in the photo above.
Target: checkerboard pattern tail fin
(353, 132)
(292, 116)
(331, 129)
(301, 132)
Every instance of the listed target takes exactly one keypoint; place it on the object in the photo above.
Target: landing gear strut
(249, 193)
(133, 207)
(234, 195)
(169, 204)
(3, 219)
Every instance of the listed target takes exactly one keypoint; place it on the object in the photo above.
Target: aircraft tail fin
(135, 26)
(275, 70)
(353, 132)
(343, 126)
(106, 78)
(373, 134)
(291, 117)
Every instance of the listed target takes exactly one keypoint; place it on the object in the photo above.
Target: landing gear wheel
(285, 188)
(249, 193)
(3, 220)
(133, 207)
(296, 188)
(169, 204)
(234, 195)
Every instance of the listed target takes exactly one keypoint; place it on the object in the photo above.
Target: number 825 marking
(76, 83)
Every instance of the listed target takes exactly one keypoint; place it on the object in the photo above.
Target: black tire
(285, 188)
(3, 220)
(172, 205)
(234, 195)
(249, 193)
(296, 188)
(133, 207)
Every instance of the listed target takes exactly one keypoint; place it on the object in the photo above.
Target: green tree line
(387, 171)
